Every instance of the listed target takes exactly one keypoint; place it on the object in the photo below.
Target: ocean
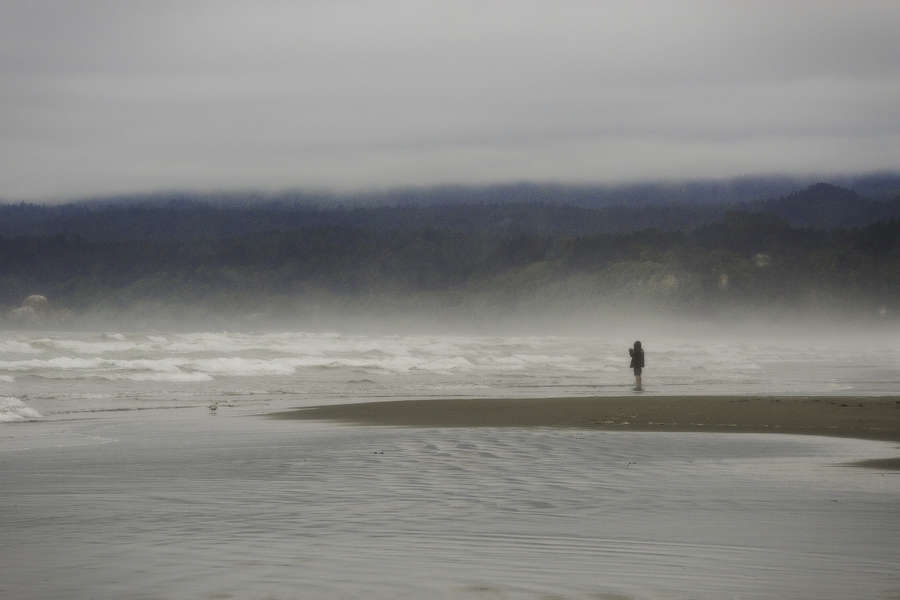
(63, 375)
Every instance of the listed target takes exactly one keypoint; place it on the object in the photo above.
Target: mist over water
(70, 373)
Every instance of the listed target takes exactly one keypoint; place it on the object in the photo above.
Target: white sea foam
(17, 347)
(13, 410)
(99, 346)
(59, 363)
(243, 366)
(173, 377)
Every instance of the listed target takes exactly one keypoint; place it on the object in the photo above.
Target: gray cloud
(103, 97)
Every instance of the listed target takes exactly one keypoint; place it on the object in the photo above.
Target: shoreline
(873, 418)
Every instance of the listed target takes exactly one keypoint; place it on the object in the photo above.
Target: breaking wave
(13, 410)
(541, 362)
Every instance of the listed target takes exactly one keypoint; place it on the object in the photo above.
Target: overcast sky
(108, 97)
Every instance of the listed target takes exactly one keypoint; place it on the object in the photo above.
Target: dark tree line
(493, 211)
(745, 259)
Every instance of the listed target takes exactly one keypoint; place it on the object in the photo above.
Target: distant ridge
(827, 206)
(501, 210)
(717, 192)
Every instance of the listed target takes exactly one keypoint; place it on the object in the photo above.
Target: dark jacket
(637, 358)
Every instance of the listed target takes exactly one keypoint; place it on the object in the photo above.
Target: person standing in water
(637, 363)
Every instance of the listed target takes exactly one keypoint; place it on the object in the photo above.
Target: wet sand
(175, 504)
(876, 418)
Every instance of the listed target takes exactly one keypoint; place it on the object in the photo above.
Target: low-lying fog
(54, 373)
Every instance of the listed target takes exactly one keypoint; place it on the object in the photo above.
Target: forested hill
(748, 260)
(821, 246)
(825, 206)
(201, 221)
(502, 211)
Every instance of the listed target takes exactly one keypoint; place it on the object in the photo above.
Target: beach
(297, 464)
(876, 418)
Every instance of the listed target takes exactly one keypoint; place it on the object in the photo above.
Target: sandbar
(875, 418)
